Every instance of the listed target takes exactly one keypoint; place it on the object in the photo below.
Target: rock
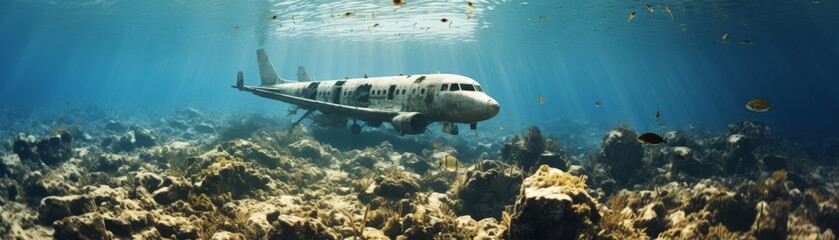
(553, 160)
(245, 127)
(311, 151)
(771, 220)
(364, 159)
(827, 216)
(50, 150)
(204, 128)
(189, 114)
(723, 207)
(177, 227)
(653, 219)
(622, 153)
(739, 157)
(554, 205)
(295, 228)
(129, 222)
(232, 177)
(177, 124)
(174, 189)
(415, 163)
(149, 180)
(11, 166)
(115, 126)
(490, 185)
(54, 208)
(87, 226)
(396, 185)
(682, 160)
(774, 162)
(525, 151)
(109, 163)
(225, 235)
(252, 152)
(755, 130)
(138, 138)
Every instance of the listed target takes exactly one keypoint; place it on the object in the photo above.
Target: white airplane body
(410, 103)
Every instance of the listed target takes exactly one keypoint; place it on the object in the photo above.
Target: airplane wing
(326, 107)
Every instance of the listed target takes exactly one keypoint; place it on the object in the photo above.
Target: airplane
(409, 103)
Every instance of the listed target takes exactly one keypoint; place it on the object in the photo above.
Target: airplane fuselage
(409, 103)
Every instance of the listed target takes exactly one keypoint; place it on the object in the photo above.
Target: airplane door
(429, 99)
(336, 95)
(390, 92)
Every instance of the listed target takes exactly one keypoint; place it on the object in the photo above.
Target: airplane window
(480, 89)
(444, 87)
(467, 87)
(454, 87)
(414, 91)
(403, 91)
(422, 91)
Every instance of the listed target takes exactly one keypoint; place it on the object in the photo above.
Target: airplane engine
(410, 123)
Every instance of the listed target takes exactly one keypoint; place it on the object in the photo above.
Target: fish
(691, 125)
(349, 14)
(746, 42)
(398, 2)
(543, 18)
(631, 16)
(469, 15)
(540, 100)
(667, 9)
(650, 8)
(444, 20)
(598, 104)
(651, 138)
(274, 17)
(725, 37)
(657, 114)
(758, 105)
(449, 163)
(470, 5)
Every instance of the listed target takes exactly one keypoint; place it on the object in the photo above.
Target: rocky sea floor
(89, 174)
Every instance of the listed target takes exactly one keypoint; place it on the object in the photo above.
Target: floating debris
(657, 115)
(758, 105)
(651, 138)
(725, 37)
(650, 8)
(631, 16)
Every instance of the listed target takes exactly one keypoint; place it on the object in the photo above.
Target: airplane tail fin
(267, 73)
(240, 80)
(302, 75)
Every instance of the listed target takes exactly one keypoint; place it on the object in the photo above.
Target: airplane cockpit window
(444, 87)
(467, 87)
(454, 87)
(479, 88)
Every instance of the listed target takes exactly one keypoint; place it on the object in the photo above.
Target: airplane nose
(492, 107)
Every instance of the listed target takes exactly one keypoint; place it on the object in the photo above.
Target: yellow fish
(650, 8)
(449, 163)
(631, 16)
(470, 5)
(540, 100)
(667, 9)
(758, 105)
(543, 18)
(725, 37)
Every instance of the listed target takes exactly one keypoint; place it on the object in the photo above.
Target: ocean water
(142, 63)
(154, 54)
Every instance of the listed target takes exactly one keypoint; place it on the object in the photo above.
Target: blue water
(170, 54)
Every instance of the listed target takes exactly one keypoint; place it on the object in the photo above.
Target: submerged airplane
(410, 103)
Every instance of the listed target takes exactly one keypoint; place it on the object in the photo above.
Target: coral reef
(190, 176)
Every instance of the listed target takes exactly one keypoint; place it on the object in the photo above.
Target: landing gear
(450, 128)
(308, 112)
(355, 128)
